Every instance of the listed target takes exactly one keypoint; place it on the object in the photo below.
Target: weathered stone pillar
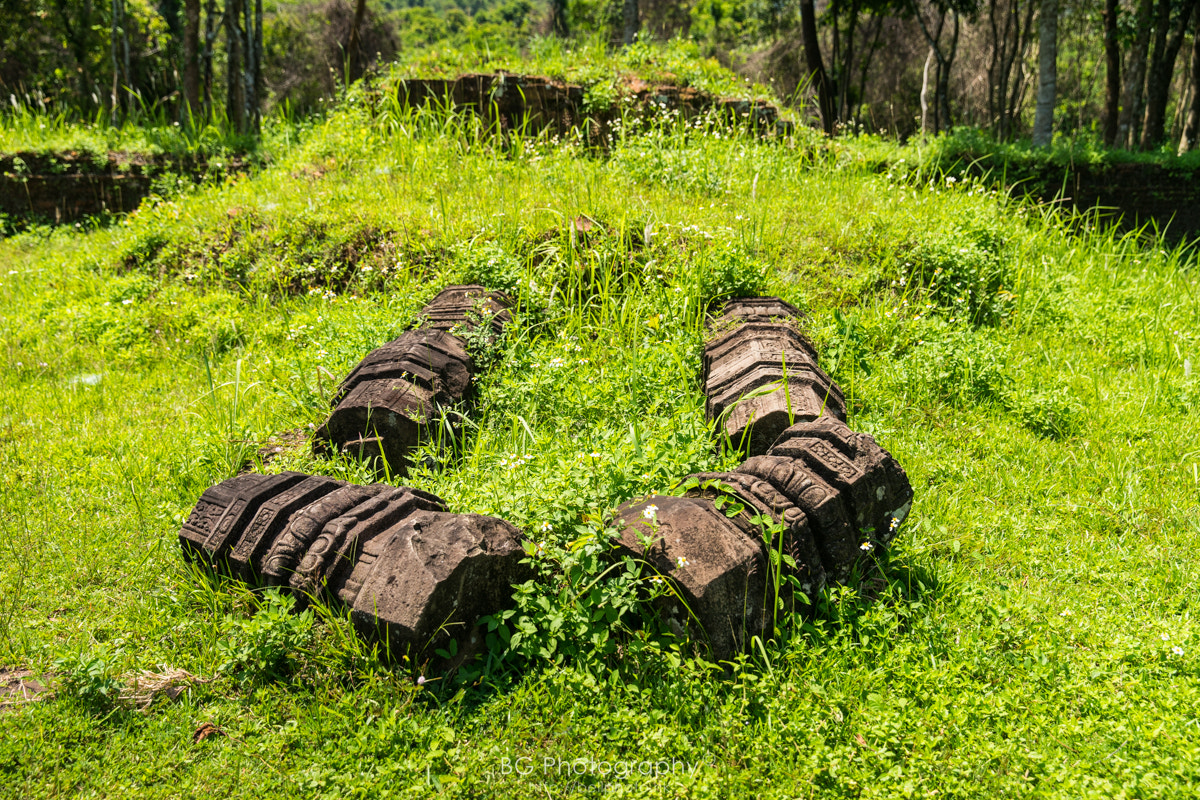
(761, 375)
(400, 392)
(413, 575)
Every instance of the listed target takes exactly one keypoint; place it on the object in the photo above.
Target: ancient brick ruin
(403, 391)
(533, 103)
(413, 575)
(416, 575)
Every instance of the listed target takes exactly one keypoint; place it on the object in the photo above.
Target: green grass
(1036, 382)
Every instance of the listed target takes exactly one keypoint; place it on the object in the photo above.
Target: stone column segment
(411, 573)
(391, 401)
(761, 375)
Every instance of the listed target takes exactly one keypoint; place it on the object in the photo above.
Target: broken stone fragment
(403, 393)
(795, 538)
(755, 309)
(410, 571)
(833, 533)
(760, 378)
(462, 309)
(224, 511)
(719, 570)
(872, 484)
(429, 578)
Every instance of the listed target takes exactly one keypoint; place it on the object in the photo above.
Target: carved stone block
(397, 395)
(720, 571)
(873, 486)
(760, 378)
(408, 570)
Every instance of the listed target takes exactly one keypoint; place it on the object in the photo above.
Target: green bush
(264, 648)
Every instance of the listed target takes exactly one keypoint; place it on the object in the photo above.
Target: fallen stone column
(762, 376)
(398, 393)
(413, 575)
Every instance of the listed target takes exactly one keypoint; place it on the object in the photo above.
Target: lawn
(1030, 632)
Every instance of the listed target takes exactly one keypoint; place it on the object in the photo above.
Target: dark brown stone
(839, 544)
(224, 511)
(763, 499)
(758, 309)
(245, 557)
(389, 403)
(460, 309)
(432, 359)
(305, 526)
(873, 485)
(719, 570)
(408, 570)
(428, 579)
(761, 378)
(382, 418)
(330, 562)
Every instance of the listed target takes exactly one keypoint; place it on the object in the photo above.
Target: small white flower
(650, 512)
(421, 681)
(1166, 637)
(681, 562)
(545, 527)
(866, 547)
(1177, 650)
(595, 454)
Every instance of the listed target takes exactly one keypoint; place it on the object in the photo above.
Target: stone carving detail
(389, 403)
(812, 490)
(761, 375)
(412, 574)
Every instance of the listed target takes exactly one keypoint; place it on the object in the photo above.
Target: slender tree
(1168, 40)
(1191, 128)
(1011, 35)
(1112, 72)
(354, 46)
(816, 65)
(631, 21)
(1135, 76)
(190, 107)
(1043, 122)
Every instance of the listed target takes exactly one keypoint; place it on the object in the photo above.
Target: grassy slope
(1022, 643)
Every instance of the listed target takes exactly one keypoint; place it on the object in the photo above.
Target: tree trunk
(354, 46)
(191, 61)
(114, 47)
(212, 27)
(259, 80)
(558, 18)
(864, 66)
(234, 88)
(1191, 128)
(1162, 71)
(631, 21)
(1135, 77)
(816, 66)
(76, 22)
(249, 70)
(1043, 123)
(946, 122)
(925, 94)
(1112, 69)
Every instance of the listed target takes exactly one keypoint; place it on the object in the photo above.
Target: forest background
(1122, 73)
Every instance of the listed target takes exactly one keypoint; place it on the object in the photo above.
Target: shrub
(263, 649)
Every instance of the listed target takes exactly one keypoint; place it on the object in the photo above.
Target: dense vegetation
(1032, 631)
(1125, 73)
